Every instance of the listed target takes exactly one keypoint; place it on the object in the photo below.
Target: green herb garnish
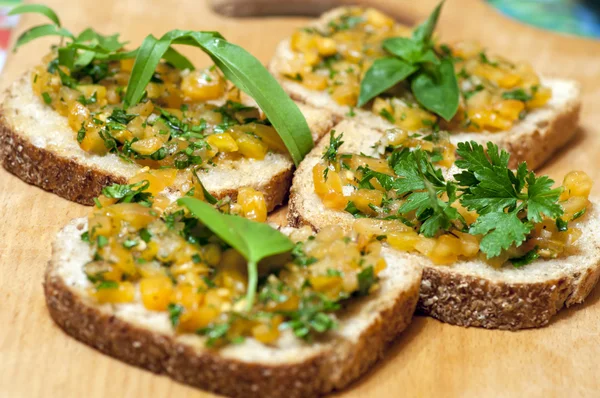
(433, 80)
(253, 240)
(107, 285)
(175, 311)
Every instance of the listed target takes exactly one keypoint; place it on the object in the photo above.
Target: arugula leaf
(253, 240)
(36, 9)
(242, 69)
(41, 31)
(436, 89)
(383, 74)
(500, 230)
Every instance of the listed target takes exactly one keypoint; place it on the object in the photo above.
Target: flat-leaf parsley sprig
(508, 202)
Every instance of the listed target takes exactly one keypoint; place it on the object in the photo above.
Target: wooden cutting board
(430, 359)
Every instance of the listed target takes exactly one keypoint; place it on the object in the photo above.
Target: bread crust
(46, 169)
(335, 366)
(71, 180)
(458, 297)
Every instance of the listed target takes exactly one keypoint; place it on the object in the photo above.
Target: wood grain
(430, 359)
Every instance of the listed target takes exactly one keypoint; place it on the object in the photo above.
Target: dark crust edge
(330, 369)
(50, 171)
(73, 181)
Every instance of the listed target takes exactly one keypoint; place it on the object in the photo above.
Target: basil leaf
(404, 47)
(242, 69)
(410, 51)
(436, 89)
(36, 9)
(41, 31)
(253, 240)
(428, 56)
(383, 74)
(424, 31)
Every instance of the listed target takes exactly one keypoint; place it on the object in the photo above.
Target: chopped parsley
(47, 98)
(517, 94)
(107, 285)
(175, 311)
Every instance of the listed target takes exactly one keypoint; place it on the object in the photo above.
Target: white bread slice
(37, 145)
(468, 293)
(292, 368)
(533, 140)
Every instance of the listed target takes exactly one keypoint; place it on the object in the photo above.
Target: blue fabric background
(577, 17)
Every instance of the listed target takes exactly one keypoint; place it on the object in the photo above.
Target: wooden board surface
(430, 359)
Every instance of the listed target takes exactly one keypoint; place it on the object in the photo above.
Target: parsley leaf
(508, 202)
(175, 311)
(541, 198)
(500, 230)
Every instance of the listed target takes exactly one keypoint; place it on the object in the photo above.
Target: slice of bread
(534, 139)
(467, 293)
(38, 146)
(292, 368)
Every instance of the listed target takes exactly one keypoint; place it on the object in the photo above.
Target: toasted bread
(38, 146)
(292, 368)
(534, 139)
(467, 293)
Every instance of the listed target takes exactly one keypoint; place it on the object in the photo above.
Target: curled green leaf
(253, 240)
(242, 69)
(36, 9)
(41, 31)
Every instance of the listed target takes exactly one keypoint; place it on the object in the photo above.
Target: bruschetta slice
(507, 253)
(327, 63)
(169, 293)
(90, 115)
